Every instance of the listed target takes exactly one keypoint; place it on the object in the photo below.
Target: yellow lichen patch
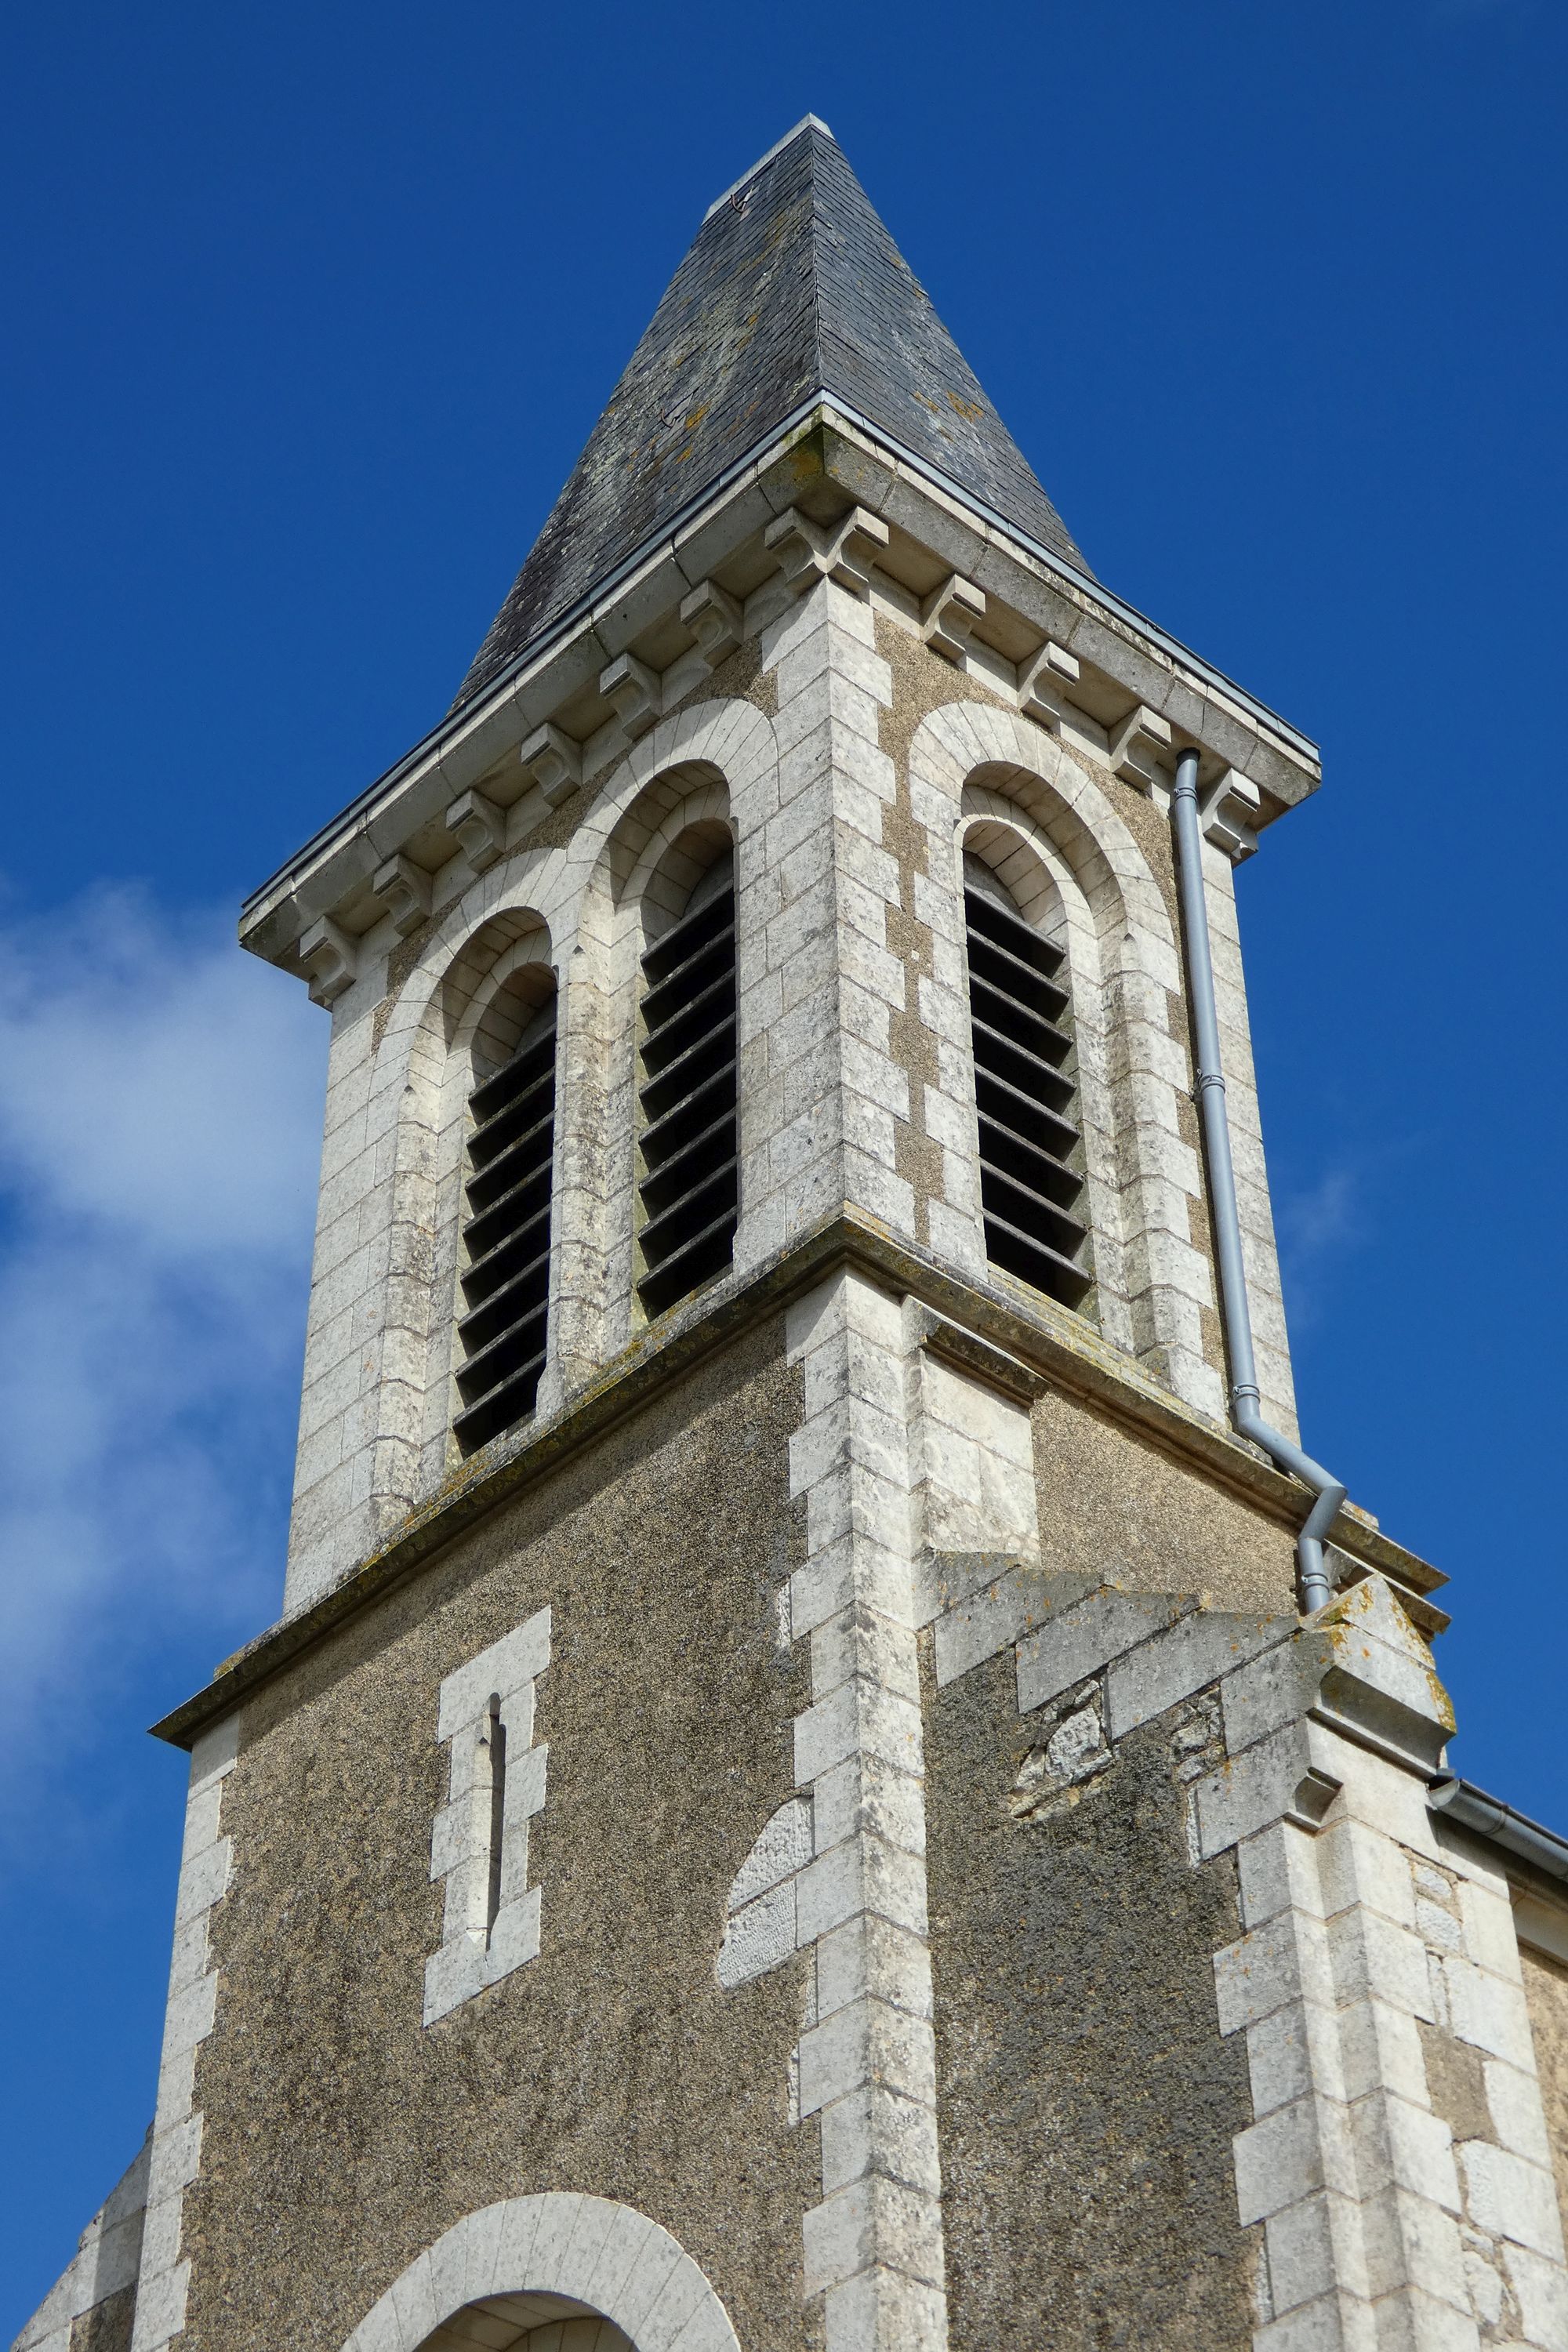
(690, 426)
(1369, 1612)
(806, 459)
(969, 408)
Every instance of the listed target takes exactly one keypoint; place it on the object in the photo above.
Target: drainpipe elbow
(1317, 1585)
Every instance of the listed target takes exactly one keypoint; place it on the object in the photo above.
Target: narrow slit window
(494, 1825)
(1026, 1094)
(506, 1237)
(690, 1185)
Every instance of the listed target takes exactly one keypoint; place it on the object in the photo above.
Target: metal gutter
(1317, 1583)
(663, 540)
(1452, 1800)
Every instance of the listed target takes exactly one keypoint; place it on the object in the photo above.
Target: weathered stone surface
(341, 2136)
(1546, 1991)
(1087, 2103)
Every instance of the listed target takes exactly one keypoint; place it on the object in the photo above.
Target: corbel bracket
(713, 617)
(479, 827)
(1137, 745)
(554, 761)
(844, 550)
(948, 614)
(634, 693)
(403, 890)
(1040, 682)
(331, 958)
(981, 1358)
(1228, 814)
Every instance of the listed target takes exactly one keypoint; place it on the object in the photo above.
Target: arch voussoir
(606, 2258)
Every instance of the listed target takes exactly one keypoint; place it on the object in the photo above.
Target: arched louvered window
(690, 1185)
(506, 1236)
(1025, 1093)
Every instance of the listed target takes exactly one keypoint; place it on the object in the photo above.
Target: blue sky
(309, 313)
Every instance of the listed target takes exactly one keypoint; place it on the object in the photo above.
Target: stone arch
(675, 828)
(489, 990)
(994, 769)
(483, 973)
(964, 739)
(705, 775)
(696, 831)
(508, 2324)
(599, 2259)
(1044, 886)
(733, 740)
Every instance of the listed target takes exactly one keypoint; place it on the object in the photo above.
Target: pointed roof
(792, 288)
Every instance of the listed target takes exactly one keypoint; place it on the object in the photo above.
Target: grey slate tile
(792, 287)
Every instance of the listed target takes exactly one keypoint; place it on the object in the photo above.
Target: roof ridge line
(793, 282)
(807, 123)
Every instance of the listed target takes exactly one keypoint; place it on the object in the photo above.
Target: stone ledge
(1062, 1350)
(825, 450)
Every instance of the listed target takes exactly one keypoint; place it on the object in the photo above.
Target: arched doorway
(552, 2274)
(528, 2322)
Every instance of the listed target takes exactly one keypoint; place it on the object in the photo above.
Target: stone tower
(793, 1804)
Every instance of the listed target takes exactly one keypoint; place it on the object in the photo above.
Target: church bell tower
(830, 1777)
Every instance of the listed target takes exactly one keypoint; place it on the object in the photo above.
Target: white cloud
(1322, 1218)
(160, 1104)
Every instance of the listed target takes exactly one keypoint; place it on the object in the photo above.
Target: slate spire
(792, 288)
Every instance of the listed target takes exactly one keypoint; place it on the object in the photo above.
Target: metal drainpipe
(1315, 1584)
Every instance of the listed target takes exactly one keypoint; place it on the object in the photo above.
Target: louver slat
(506, 1283)
(1027, 1103)
(690, 1181)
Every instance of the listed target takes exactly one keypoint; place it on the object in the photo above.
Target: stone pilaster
(866, 2064)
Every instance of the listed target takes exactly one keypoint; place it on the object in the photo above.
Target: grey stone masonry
(855, 1068)
(1398, 2164)
(873, 2247)
(580, 2254)
(175, 2155)
(478, 1846)
(107, 2262)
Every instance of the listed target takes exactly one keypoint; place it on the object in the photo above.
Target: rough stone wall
(379, 1261)
(1087, 2100)
(107, 2327)
(1111, 1501)
(922, 684)
(341, 2137)
(857, 1079)
(1546, 1993)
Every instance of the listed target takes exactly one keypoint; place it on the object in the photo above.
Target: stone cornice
(1062, 1352)
(828, 492)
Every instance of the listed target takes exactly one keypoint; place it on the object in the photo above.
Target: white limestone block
(872, 2219)
(873, 1958)
(1486, 2011)
(1401, 2146)
(868, 2041)
(1277, 1966)
(1196, 1650)
(1080, 1640)
(874, 2129)
(1541, 2289)
(1512, 2198)
(881, 2310)
(758, 1936)
(1292, 2153)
